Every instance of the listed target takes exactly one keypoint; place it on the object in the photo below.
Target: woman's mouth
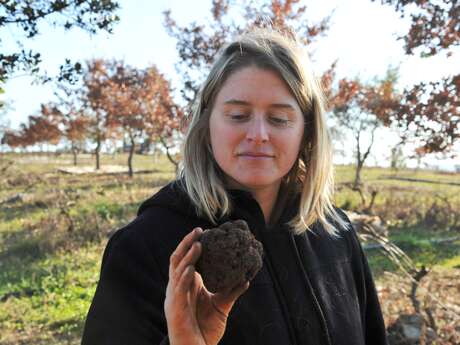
(255, 155)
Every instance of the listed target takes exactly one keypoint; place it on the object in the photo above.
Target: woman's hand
(194, 315)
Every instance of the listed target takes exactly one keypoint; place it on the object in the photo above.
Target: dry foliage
(26, 18)
(361, 109)
(197, 44)
(432, 108)
(439, 297)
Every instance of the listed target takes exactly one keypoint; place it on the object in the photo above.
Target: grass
(422, 252)
(453, 262)
(422, 245)
(47, 298)
(48, 274)
(51, 241)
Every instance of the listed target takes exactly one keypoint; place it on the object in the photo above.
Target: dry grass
(54, 226)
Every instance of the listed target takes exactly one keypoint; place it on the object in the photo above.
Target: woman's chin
(258, 182)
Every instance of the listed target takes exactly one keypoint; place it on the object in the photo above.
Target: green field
(53, 233)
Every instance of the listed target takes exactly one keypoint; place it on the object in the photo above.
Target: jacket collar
(173, 197)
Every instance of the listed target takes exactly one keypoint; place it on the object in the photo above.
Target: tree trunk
(130, 157)
(170, 158)
(97, 151)
(357, 182)
(361, 157)
(359, 161)
(74, 152)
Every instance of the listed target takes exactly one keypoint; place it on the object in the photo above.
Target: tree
(347, 111)
(137, 105)
(431, 113)
(26, 16)
(76, 125)
(2, 102)
(39, 129)
(46, 125)
(397, 158)
(92, 99)
(362, 109)
(11, 138)
(129, 102)
(4, 125)
(197, 44)
(435, 25)
(72, 121)
(113, 100)
(165, 124)
(133, 101)
(433, 109)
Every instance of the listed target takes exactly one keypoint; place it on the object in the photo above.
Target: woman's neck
(265, 196)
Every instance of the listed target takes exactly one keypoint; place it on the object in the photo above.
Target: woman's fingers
(183, 248)
(189, 259)
(238, 291)
(224, 300)
(181, 269)
(186, 280)
(196, 286)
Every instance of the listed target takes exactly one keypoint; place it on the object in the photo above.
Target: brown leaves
(435, 25)
(76, 128)
(379, 99)
(382, 100)
(431, 111)
(348, 90)
(219, 9)
(25, 18)
(139, 101)
(438, 293)
(198, 44)
(434, 110)
(115, 99)
(43, 128)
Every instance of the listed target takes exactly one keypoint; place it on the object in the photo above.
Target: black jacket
(312, 289)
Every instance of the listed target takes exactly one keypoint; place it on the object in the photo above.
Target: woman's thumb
(224, 300)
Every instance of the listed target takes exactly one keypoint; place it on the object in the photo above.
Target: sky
(363, 38)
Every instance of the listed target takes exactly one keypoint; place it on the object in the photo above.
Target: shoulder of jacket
(150, 237)
(155, 224)
(346, 233)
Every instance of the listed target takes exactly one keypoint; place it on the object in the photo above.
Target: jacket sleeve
(371, 314)
(127, 308)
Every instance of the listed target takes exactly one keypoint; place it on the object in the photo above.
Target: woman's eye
(238, 117)
(279, 121)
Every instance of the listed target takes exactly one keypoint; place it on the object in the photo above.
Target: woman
(257, 148)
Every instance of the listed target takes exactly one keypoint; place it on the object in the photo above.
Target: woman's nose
(257, 130)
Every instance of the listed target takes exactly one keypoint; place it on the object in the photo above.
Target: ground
(54, 227)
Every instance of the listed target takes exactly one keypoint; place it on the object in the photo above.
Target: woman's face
(256, 128)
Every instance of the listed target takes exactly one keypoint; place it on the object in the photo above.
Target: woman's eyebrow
(237, 102)
(274, 105)
(282, 106)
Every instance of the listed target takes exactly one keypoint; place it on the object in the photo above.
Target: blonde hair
(312, 173)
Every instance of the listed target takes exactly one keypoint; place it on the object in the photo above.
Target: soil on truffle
(230, 256)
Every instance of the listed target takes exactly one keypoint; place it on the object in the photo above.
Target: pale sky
(362, 37)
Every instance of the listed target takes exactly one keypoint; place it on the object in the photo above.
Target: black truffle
(230, 256)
